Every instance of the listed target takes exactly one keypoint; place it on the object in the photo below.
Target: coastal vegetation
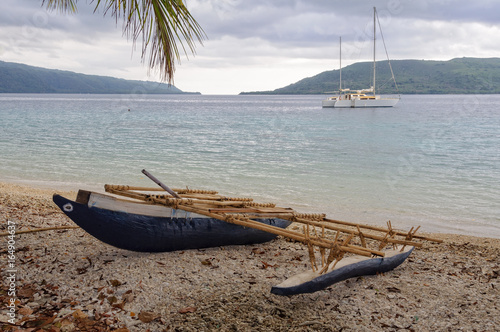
(20, 78)
(456, 76)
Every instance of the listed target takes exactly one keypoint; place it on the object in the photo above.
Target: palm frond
(61, 5)
(162, 25)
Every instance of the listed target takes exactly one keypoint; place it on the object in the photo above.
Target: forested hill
(20, 78)
(456, 76)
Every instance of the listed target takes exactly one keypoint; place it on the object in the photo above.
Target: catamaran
(348, 98)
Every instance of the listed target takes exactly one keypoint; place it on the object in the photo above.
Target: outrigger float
(141, 219)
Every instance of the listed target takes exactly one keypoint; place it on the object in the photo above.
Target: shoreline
(441, 228)
(80, 283)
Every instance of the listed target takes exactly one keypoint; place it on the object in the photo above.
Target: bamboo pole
(356, 232)
(185, 201)
(142, 197)
(201, 196)
(380, 229)
(300, 237)
(198, 196)
(246, 209)
(178, 190)
(329, 222)
(134, 188)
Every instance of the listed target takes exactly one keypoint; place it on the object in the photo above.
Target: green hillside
(456, 76)
(20, 78)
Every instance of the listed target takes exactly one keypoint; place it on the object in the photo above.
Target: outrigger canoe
(193, 219)
(144, 227)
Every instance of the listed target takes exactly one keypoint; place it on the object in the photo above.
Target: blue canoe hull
(145, 233)
(367, 267)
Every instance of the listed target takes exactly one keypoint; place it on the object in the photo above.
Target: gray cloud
(293, 38)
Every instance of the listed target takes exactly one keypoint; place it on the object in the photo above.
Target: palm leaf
(62, 5)
(162, 25)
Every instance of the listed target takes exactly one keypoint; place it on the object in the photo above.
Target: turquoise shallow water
(432, 160)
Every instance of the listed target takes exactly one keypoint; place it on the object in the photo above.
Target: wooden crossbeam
(380, 229)
(356, 232)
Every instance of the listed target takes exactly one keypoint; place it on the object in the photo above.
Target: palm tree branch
(161, 24)
(61, 5)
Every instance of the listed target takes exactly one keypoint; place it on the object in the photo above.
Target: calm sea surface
(432, 161)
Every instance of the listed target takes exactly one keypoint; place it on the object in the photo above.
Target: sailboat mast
(374, 35)
(340, 59)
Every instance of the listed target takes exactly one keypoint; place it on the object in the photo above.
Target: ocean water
(433, 160)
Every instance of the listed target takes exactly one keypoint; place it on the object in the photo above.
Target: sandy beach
(66, 280)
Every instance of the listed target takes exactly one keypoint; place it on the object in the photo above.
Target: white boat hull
(329, 103)
(366, 103)
(360, 103)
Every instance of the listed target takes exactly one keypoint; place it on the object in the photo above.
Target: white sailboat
(348, 98)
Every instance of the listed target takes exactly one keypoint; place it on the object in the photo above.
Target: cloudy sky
(254, 45)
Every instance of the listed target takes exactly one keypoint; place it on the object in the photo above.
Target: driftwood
(39, 230)
(316, 233)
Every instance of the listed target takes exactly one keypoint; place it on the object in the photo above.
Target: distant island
(20, 78)
(456, 76)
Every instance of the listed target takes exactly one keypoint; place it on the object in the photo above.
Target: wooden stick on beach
(40, 230)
